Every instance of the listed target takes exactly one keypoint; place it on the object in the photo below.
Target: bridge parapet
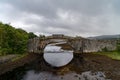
(77, 44)
(33, 44)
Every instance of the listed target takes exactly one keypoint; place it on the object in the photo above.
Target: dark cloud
(82, 17)
(48, 8)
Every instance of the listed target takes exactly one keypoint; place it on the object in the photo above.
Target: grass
(19, 56)
(112, 54)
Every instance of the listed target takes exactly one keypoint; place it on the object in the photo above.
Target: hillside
(106, 37)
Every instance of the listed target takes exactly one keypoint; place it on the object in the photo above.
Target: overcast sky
(70, 17)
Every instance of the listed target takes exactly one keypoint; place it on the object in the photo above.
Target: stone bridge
(78, 44)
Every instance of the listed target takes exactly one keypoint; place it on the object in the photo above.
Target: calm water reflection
(57, 57)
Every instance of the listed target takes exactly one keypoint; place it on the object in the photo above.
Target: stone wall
(99, 45)
(37, 45)
(33, 44)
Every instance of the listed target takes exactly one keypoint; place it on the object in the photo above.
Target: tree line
(12, 40)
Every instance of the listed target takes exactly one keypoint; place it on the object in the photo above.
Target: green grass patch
(19, 57)
(113, 55)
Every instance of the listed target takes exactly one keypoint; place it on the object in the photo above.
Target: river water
(57, 57)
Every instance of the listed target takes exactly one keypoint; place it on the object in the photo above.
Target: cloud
(71, 17)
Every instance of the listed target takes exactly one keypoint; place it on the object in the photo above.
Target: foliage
(42, 36)
(31, 35)
(13, 41)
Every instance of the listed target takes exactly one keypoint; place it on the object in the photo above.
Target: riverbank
(10, 58)
(7, 58)
(17, 62)
(97, 62)
(107, 62)
(113, 54)
(90, 62)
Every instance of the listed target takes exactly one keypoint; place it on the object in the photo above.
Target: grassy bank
(113, 54)
(19, 56)
(11, 58)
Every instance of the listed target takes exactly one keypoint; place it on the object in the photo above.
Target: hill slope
(105, 37)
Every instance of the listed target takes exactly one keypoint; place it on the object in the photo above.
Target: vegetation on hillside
(12, 40)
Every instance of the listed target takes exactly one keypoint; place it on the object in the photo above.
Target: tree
(5, 38)
(31, 35)
(12, 40)
(42, 36)
(21, 40)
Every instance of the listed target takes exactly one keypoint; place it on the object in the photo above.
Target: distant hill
(105, 37)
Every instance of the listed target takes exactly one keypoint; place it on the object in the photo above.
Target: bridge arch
(37, 45)
(44, 43)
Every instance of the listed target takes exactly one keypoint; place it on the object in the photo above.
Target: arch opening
(58, 53)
